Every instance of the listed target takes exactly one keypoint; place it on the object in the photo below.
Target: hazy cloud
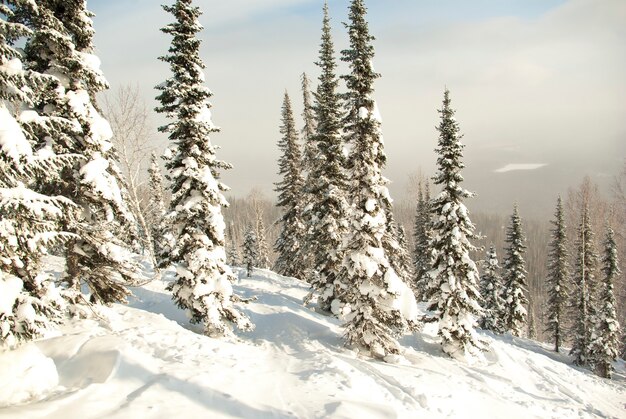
(519, 166)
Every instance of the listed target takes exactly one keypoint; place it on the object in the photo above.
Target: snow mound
(145, 360)
(25, 375)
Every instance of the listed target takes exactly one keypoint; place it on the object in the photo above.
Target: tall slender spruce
(161, 234)
(290, 198)
(309, 153)
(583, 295)
(250, 249)
(233, 255)
(203, 280)
(491, 292)
(422, 255)
(453, 287)
(515, 292)
(326, 182)
(263, 255)
(558, 279)
(605, 347)
(371, 284)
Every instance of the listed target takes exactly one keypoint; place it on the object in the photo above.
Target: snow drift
(145, 360)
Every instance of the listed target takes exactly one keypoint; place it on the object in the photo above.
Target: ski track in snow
(145, 360)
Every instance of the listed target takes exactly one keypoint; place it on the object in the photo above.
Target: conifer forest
(135, 282)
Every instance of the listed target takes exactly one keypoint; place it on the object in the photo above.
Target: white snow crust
(146, 361)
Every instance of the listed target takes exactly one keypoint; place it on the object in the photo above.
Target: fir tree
(62, 45)
(532, 329)
(491, 292)
(583, 295)
(402, 255)
(290, 198)
(606, 345)
(422, 258)
(203, 280)
(514, 293)
(371, 288)
(453, 287)
(263, 257)
(156, 210)
(310, 126)
(233, 255)
(250, 250)
(30, 222)
(306, 249)
(326, 182)
(558, 276)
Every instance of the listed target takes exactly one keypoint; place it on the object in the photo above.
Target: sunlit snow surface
(145, 361)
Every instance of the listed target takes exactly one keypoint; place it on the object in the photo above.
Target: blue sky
(533, 81)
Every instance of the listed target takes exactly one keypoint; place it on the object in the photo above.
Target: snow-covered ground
(144, 360)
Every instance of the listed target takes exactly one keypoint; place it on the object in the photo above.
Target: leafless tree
(133, 137)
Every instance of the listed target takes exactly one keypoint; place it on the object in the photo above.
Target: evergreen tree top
(450, 151)
(359, 56)
(290, 162)
(515, 236)
(610, 263)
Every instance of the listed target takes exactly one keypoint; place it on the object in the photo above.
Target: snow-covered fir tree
(326, 182)
(203, 279)
(232, 252)
(309, 127)
(422, 257)
(452, 290)
(402, 255)
(290, 198)
(558, 279)
(250, 249)
(583, 299)
(532, 329)
(263, 255)
(605, 348)
(306, 250)
(62, 44)
(514, 277)
(30, 222)
(156, 210)
(491, 293)
(377, 305)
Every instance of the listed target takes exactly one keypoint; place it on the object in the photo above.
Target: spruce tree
(377, 305)
(403, 256)
(558, 277)
(583, 295)
(62, 44)
(491, 292)
(203, 280)
(514, 293)
(290, 198)
(326, 182)
(156, 210)
(250, 250)
(232, 254)
(309, 128)
(422, 258)
(306, 250)
(605, 348)
(263, 257)
(30, 222)
(452, 291)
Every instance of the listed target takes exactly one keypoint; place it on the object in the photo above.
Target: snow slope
(145, 361)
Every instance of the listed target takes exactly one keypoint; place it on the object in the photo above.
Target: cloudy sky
(539, 85)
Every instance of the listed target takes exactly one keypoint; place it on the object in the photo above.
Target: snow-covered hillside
(145, 361)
